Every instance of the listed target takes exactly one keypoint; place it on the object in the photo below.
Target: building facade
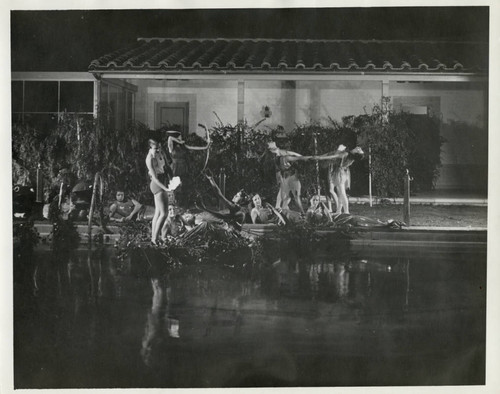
(185, 82)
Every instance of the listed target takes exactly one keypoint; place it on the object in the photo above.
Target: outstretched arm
(290, 153)
(219, 192)
(329, 156)
(281, 220)
(190, 147)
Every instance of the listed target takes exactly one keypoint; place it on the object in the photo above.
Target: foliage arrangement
(80, 147)
(238, 151)
(399, 141)
(216, 245)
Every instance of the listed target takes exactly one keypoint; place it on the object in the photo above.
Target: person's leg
(285, 193)
(161, 204)
(154, 221)
(279, 197)
(332, 195)
(343, 201)
(296, 187)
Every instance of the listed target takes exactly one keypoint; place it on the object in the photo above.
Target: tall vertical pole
(317, 162)
(370, 174)
(39, 184)
(406, 201)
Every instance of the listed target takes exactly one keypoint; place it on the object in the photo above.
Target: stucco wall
(463, 112)
(204, 98)
(461, 106)
(302, 101)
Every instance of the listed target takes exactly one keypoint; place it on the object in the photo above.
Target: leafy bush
(78, 148)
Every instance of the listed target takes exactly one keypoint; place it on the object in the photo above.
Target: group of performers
(163, 179)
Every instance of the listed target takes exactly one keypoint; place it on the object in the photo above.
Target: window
(116, 104)
(39, 103)
(77, 97)
(418, 105)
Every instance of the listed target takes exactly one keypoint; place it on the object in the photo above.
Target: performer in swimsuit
(157, 169)
(265, 214)
(286, 176)
(124, 209)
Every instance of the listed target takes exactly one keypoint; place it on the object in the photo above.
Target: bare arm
(152, 173)
(329, 156)
(254, 214)
(137, 207)
(327, 212)
(278, 214)
(196, 147)
(112, 213)
(289, 153)
(219, 192)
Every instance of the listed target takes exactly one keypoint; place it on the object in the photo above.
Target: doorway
(172, 115)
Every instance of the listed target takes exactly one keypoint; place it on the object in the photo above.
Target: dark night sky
(69, 40)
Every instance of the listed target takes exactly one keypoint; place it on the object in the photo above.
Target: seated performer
(318, 213)
(173, 226)
(124, 209)
(237, 210)
(265, 214)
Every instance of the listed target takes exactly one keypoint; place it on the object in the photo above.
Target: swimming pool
(338, 316)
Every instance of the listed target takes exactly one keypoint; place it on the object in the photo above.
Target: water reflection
(294, 321)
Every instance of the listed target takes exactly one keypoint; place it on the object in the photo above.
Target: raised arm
(219, 192)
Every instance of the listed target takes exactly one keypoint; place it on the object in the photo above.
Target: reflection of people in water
(158, 318)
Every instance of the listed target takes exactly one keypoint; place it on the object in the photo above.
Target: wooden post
(317, 163)
(39, 184)
(370, 175)
(222, 186)
(406, 201)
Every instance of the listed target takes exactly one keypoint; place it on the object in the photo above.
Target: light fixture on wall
(266, 111)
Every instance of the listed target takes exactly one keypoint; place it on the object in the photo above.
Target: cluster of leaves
(215, 245)
(399, 141)
(79, 147)
(238, 151)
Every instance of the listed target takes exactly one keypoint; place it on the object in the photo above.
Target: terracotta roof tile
(163, 54)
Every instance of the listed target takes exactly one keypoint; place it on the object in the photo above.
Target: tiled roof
(270, 55)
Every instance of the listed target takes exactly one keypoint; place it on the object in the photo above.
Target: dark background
(60, 40)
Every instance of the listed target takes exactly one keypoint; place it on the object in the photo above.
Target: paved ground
(427, 215)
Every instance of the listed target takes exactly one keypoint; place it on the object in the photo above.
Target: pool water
(341, 316)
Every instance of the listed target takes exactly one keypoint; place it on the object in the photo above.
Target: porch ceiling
(153, 55)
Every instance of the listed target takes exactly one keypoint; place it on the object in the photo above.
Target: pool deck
(366, 237)
(412, 235)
